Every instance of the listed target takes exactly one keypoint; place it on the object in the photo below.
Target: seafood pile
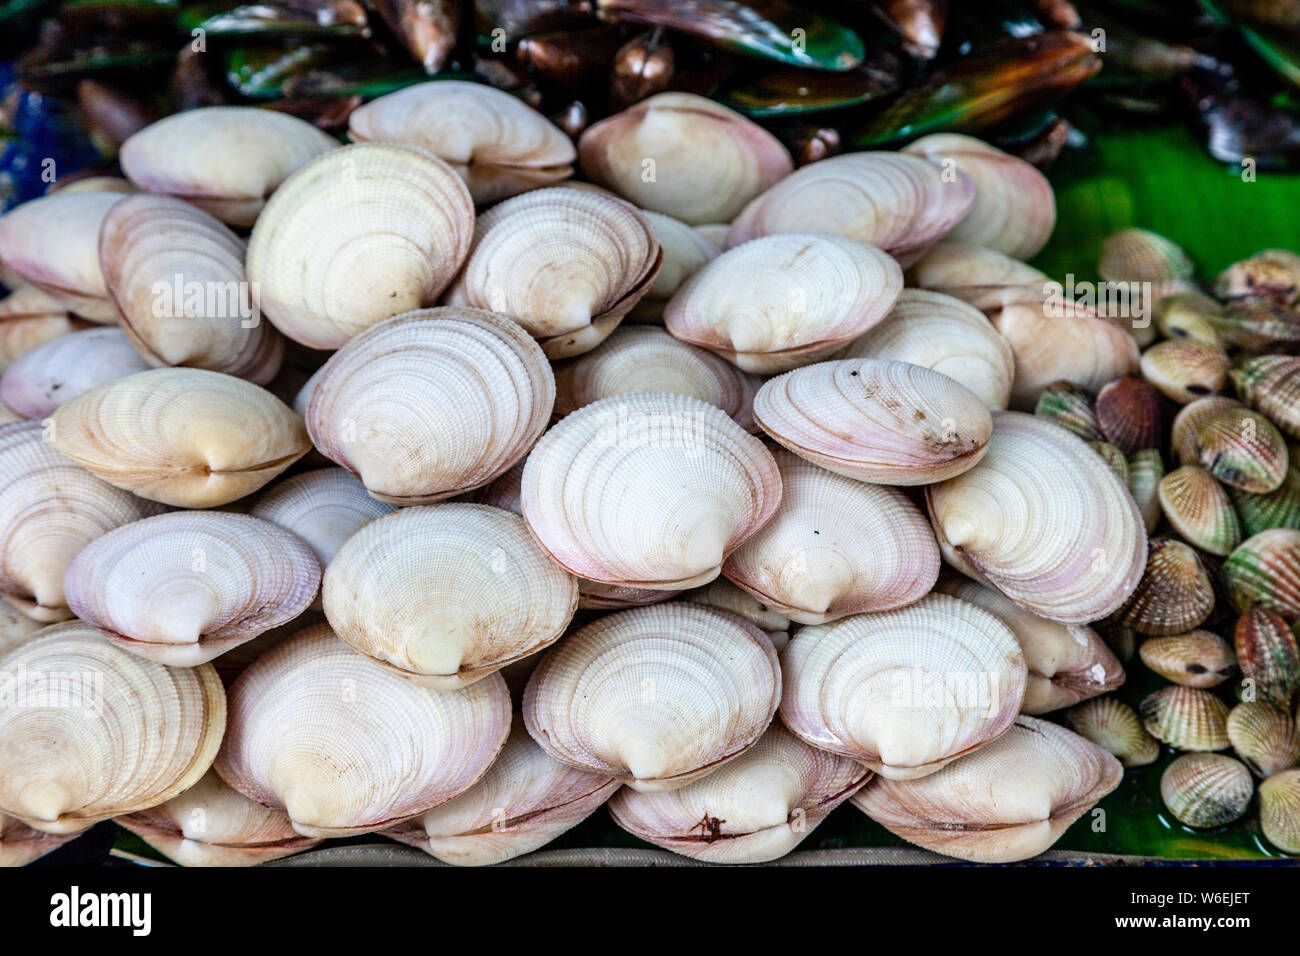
(454, 483)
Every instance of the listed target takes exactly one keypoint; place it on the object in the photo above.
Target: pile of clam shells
(529, 494)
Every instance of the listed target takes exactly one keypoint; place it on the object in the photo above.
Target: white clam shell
(432, 403)
(893, 201)
(1043, 519)
(567, 264)
(345, 746)
(49, 510)
(686, 251)
(725, 596)
(904, 692)
(498, 144)
(360, 234)
(182, 588)
(225, 159)
(1008, 801)
(446, 594)
(684, 156)
(755, 808)
(946, 335)
(30, 317)
(983, 277)
(836, 547)
(783, 301)
(41, 380)
(114, 733)
(655, 696)
(875, 420)
(648, 490)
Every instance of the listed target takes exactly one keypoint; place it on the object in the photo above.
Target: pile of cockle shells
(631, 491)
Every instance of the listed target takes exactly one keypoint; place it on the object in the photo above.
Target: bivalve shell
(1128, 414)
(1146, 469)
(1264, 737)
(1243, 449)
(1185, 369)
(1200, 510)
(1279, 810)
(1186, 718)
(1188, 422)
(1206, 790)
(1139, 255)
(59, 370)
(1271, 384)
(1268, 655)
(1175, 593)
(1195, 659)
(1115, 726)
(1279, 508)
(1264, 572)
(1066, 404)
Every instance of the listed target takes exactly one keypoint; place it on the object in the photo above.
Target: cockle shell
(1268, 655)
(49, 510)
(1279, 508)
(1242, 448)
(1185, 369)
(139, 433)
(1272, 274)
(876, 420)
(1206, 790)
(1128, 414)
(1146, 469)
(648, 359)
(1264, 737)
(985, 278)
(1188, 421)
(656, 696)
(176, 277)
(904, 692)
(497, 143)
(30, 317)
(1066, 404)
(898, 203)
(686, 251)
(1200, 510)
(1014, 210)
(182, 588)
(756, 808)
(649, 491)
(1189, 315)
(685, 156)
(946, 335)
(224, 159)
(1113, 457)
(525, 800)
(1186, 718)
(1067, 662)
(835, 547)
(211, 824)
(1115, 726)
(1279, 810)
(361, 234)
(346, 747)
(1008, 801)
(447, 594)
(1139, 255)
(41, 380)
(1271, 384)
(431, 403)
(113, 734)
(53, 243)
(783, 301)
(1195, 659)
(1264, 572)
(1044, 520)
(1175, 593)
(566, 264)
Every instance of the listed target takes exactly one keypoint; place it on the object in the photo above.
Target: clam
(1139, 255)
(139, 433)
(686, 251)
(876, 420)
(566, 264)
(1242, 448)
(224, 159)
(1066, 404)
(904, 692)
(16, 627)
(1195, 659)
(49, 510)
(835, 547)
(1271, 384)
(1279, 508)
(41, 380)
(656, 696)
(1258, 326)
(684, 156)
(1175, 593)
(724, 595)
(1268, 656)
(1264, 572)
(432, 403)
(1206, 790)
(756, 808)
(1014, 210)
(1188, 422)
(1264, 737)
(447, 594)
(1272, 274)
(211, 824)
(53, 243)
(1190, 315)
(1200, 510)
(783, 301)
(1128, 414)
(648, 491)
(176, 277)
(526, 799)
(945, 335)
(95, 732)
(1008, 801)
(899, 203)
(1186, 718)
(1279, 810)
(182, 588)
(356, 236)
(20, 844)
(647, 359)
(30, 317)
(497, 143)
(1185, 369)
(985, 278)
(1146, 469)
(1114, 726)
(1044, 520)
(1067, 662)
(344, 746)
